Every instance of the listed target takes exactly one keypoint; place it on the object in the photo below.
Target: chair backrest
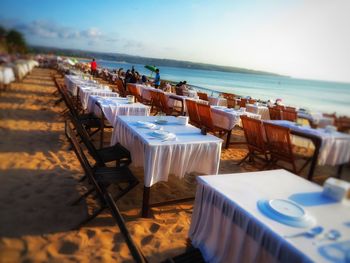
(275, 114)
(155, 99)
(66, 98)
(84, 136)
(204, 112)
(254, 134)
(133, 91)
(203, 96)
(78, 150)
(242, 102)
(279, 143)
(163, 100)
(192, 111)
(251, 101)
(120, 87)
(231, 101)
(289, 115)
(343, 124)
(290, 108)
(279, 107)
(103, 194)
(228, 95)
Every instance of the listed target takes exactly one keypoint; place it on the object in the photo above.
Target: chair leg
(82, 179)
(245, 158)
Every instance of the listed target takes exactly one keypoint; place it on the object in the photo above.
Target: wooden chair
(165, 107)
(343, 124)
(289, 115)
(101, 177)
(192, 112)
(280, 146)
(121, 88)
(203, 96)
(133, 91)
(251, 101)
(231, 101)
(156, 106)
(242, 103)
(206, 120)
(290, 108)
(254, 135)
(103, 123)
(279, 107)
(275, 114)
(116, 153)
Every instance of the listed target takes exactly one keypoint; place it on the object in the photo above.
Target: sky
(305, 39)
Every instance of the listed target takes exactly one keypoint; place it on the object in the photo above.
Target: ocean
(312, 95)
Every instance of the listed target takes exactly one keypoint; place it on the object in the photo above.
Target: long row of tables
(226, 223)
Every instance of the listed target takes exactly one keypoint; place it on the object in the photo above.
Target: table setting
(250, 217)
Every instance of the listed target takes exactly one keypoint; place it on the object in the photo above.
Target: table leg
(317, 143)
(145, 201)
(340, 169)
(228, 139)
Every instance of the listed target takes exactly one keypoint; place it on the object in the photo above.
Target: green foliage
(16, 42)
(2, 33)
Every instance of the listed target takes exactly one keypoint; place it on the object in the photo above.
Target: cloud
(50, 30)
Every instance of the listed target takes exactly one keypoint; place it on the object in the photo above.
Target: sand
(39, 178)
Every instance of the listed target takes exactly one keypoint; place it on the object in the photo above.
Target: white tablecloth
(228, 227)
(86, 91)
(72, 83)
(226, 118)
(261, 110)
(115, 106)
(190, 152)
(217, 101)
(317, 118)
(7, 75)
(335, 147)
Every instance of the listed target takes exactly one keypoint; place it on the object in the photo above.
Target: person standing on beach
(93, 67)
(157, 79)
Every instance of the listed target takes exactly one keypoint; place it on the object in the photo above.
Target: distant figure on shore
(93, 66)
(157, 79)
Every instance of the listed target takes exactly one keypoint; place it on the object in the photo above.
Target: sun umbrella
(151, 68)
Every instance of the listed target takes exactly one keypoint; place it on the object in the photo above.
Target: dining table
(229, 224)
(330, 147)
(228, 118)
(182, 151)
(259, 109)
(112, 107)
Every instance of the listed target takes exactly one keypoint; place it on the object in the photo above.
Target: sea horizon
(313, 95)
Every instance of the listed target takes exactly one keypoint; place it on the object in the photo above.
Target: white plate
(145, 124)
(285, 212)
(161, 121)
(163, 135)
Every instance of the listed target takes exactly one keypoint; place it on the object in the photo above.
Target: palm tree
(16, 42)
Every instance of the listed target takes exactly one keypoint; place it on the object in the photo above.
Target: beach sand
(39, 178)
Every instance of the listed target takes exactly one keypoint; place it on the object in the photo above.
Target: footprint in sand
(68, 248)
(154, 228)
(90, 233)
(146, 240)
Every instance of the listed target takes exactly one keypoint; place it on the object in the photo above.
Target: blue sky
(308, 39)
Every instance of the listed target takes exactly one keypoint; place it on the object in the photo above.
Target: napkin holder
(336, 189)
(183, 120)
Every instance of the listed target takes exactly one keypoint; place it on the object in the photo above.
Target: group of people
(132, 76)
